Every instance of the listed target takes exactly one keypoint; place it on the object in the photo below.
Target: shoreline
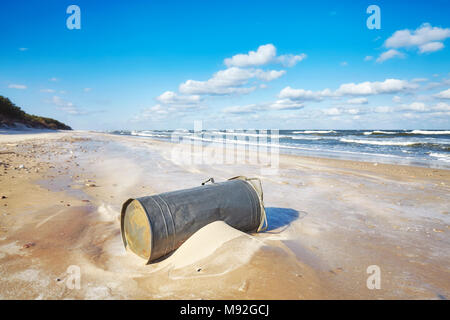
(412, 157)
(330, 219)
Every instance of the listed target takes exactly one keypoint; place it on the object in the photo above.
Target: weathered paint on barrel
(154, 226)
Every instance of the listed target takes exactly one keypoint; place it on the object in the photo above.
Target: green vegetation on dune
(10, 115)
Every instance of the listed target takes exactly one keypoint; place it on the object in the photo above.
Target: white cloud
(443, 94)
(392, 53)
(269, 75)
(278, 105)
(304, 95)
(290, 60)
(171, 98)
(87, 89)
(396, 99)
(426, 39)
(368, 58)
(349, 89)
(265, 54)
(343, 111)
(23, 49)
(434, 85)
(431, 47)
(376, 87)
(229, 81)
(383, 109)
(286, 104)
(422, 107)
(423, 35)
(344, 63)
(332, 111)
(17, 86)
(358, 101)
(54, 79)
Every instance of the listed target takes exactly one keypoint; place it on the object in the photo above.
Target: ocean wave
(267, 134)
(429, 132)
(379, 132)
(314, 131)
(381, 143)
(148, 134)
(306, 138)
(440, 156)
(430, 145)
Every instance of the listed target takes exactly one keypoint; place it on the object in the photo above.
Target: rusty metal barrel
(156, 225)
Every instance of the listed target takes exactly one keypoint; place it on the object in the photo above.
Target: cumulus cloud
(342, 111)
(290, 60)
(443, 94)
(229, 81)
(422, 107)
(368, 58)
(332, 111)
(47, 90)
(172, 98)
(422, 36)
(265, 54)
(358, 101)
(286, 104)
(268, 75)
(396, 99)
(415, 108)
(392, 53)
(383, 109)
(376, 87)
(278, 105)
(425, 39)
(349, 89)
(304, 95)
(17, 86)
(431, 47)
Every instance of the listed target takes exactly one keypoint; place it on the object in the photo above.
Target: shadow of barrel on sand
(282, 217)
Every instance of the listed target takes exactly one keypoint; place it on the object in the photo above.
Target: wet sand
(328, 221)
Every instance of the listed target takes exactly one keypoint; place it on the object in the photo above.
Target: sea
(428, 148)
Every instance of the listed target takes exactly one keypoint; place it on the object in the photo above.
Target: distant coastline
(13, 117)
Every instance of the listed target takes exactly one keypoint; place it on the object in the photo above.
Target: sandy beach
(329, 220)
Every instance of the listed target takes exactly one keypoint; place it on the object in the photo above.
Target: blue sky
(232, 64)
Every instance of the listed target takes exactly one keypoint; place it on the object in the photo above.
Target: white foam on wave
(381, 143)
(147, 134)
(440, 156)
(429, 132)
(379, 132)
(314, 131)
(251, 133)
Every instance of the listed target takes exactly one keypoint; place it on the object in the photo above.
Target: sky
(135, 65)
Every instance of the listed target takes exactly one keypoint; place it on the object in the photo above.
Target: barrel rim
(259, 193)
(122, 229)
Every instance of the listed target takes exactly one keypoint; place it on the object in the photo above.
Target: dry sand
(329, 220)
